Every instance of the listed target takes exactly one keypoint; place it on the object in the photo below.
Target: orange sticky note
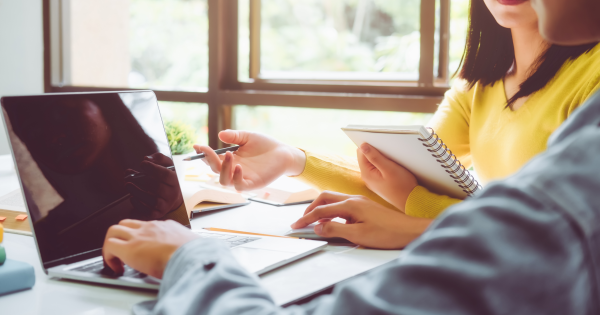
(2, 219)
(21, 217)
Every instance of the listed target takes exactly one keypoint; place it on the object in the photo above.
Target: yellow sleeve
(451, 123)
(336, 173)
(424, 204)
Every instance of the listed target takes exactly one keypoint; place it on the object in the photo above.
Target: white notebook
(422, 152)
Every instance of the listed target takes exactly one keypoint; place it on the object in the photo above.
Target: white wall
(21, 52)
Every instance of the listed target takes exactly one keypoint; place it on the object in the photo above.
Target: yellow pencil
(242, 232)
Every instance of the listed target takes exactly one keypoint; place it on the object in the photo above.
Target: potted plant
(181, 138)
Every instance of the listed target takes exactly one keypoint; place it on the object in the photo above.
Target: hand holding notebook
(423, 153)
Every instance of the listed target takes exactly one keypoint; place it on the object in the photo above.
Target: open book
(423, 153)
(200, 197)
(285, 191)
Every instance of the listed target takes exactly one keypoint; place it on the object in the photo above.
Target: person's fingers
(119, 231)
(335, 229)
(144, 196)
(239, 182)
(211, 158)
(134, 224)
(326, 197)
(160, 159)
(378, 160)
(328, 211)
(226, 170)
(235, 137)
(159, 172)
(363, 163)
(111, 251)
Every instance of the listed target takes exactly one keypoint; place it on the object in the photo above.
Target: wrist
(297, 162)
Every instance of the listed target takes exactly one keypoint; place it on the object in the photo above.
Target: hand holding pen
(258, 161)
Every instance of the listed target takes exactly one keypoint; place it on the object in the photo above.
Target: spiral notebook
(422, 152)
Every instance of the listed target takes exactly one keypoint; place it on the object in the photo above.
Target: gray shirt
(529, 244)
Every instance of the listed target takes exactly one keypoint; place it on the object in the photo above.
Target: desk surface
(287, 284)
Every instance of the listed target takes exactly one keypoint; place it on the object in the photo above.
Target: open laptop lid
(83, 165)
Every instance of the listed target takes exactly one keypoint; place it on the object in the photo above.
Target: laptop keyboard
(231, 240)
(98, 268)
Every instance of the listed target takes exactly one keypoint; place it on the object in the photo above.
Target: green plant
(181, 137)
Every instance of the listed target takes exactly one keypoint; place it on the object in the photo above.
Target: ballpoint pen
(218, 151)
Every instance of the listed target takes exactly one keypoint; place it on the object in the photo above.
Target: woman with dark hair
(513, 90)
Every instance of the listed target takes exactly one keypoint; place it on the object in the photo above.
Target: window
(340, 39)
(158, 44)
(191, 114)
(262, 64)
(308, 125)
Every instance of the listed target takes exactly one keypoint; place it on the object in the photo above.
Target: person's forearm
(422, 203)
(339, 174)
(202, 277)
(297, 162)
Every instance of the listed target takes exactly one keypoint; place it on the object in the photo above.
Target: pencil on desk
(218, 151)
(212, 229)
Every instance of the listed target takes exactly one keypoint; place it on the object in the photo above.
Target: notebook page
(407, 150)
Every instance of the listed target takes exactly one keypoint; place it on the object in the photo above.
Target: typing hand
(158, 192)
(367, 222)
(143, 246)
(385, 177)
(258, 162)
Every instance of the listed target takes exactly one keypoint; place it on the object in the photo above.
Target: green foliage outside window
(181, 137)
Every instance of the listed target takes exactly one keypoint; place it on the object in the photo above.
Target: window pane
(316, 39)
(193, 115)
(243, 40)
(161, 44)
(459, 22)
(316, 129)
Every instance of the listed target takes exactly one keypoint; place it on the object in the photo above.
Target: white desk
(286, 284)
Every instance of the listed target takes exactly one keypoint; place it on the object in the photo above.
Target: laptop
(83, 162)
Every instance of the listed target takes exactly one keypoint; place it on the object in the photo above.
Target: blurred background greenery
(314, 39)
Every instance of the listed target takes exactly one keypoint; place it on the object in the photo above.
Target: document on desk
(13, 201)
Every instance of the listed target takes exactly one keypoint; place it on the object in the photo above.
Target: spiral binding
(450, 162)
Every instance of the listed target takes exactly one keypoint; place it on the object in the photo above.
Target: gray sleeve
(526, 245)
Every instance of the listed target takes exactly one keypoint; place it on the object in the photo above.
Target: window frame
(225, 89)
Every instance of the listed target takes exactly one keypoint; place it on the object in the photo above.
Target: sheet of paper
(13, 201)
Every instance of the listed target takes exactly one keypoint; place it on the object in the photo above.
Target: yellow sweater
(481, 131)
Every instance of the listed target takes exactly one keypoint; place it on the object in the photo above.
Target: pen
(142, 175)
(218, 151)
(242, 232)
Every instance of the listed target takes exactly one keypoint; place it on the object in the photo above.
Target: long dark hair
(489, 54)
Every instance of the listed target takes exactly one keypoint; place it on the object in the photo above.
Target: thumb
(234, 136)
(333, 229)
(375, 157)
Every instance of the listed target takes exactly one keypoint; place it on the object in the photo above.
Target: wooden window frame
(225, 89)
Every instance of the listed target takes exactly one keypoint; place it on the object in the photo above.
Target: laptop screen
(87, 161)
